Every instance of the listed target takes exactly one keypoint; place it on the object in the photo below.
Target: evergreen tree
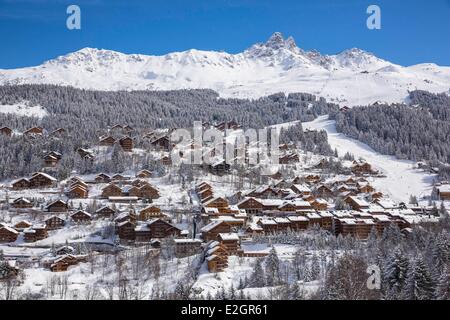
(419, 285)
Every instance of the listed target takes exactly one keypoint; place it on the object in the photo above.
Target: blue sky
(32, 31)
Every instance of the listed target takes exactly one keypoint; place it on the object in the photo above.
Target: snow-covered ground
(23, 109)
(402, 179)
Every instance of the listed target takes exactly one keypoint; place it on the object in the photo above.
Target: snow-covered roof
(122, 198)
(272, 202)
(267, 221)
(229, 236)
(4, 226)
(444, 188)
(281, 220)
(386, 203)
(187, 240)
(22, 199)
(211, 226)
(298, 218)
(227, 219)
(45, 175)
(20, 179)
(325, 214)
(301, 187)
(142, 227)
(360, 202)
(83, 212)
(312, 215)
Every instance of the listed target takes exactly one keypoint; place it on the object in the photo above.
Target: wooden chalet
(126, 230)
(107, 141)
(211, 230)
(219, 168)
(162, 142)
(147, 191)
(22, 203)
(57, 133)
(301, 189)
(50, 161)
(187, 247)
(159, 229)
(111, 190)
(202, 186)
(118, 177)
(6, 131)
(77, 191)
(216, 257)
(131, 191)
(126, 143)
(150, 212)
(323, 191)
(288, 158)
(166, 161)
(230, 241)
(443, 192)
(319, 204)
(102, 178)
(360, 168)
(57, 206)
(8, 234)
(105, 212)
(35, 233)
(81, 216)
(22, 225)
(33, 132)
(205, 195)
(22, 183)
(85, 154)
(251, 206)
(356, 203)
(298, 222)
(268, 225)
(54, 222)
(220, 203)
(42, 180)
(62, 263)
(143, 174)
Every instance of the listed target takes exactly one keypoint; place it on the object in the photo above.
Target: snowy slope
(351, 77)
(24, 109)
(401, 181)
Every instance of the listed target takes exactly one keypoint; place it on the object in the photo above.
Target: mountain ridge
(351, 77)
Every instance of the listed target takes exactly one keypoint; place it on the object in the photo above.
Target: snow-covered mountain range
(351, 77)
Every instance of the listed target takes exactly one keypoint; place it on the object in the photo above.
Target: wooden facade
(210, 231)
(8, 234)
(111, 190)
(81, 216)
(58, 206)
(105, 212)
(42, 180)
(6, 131)
(54, 222)
(126, 143)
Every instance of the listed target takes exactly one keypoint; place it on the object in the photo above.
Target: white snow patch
(402, 179)
(24, 109)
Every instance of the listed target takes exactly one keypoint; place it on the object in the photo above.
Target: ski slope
(401, 181)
